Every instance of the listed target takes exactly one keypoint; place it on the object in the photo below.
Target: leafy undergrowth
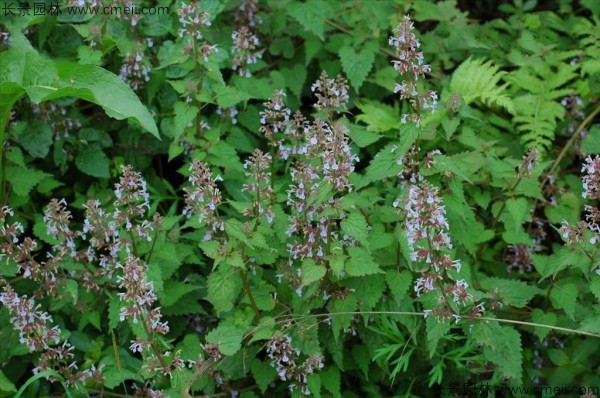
(271, 198)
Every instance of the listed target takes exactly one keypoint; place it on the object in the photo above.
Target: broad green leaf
(173, 291)
(361, 263)
(264, 374)
(548, 318)
(502, 346)
(224, 286)
(564, 296)
(356, 65)
(312, 272)
(227, 337)
(228, 96)
(311, 15)
(591, 142)
(378, 117)
(513, 293)
(356, 226)
(551, 265)
(23, 70)
(24, 179)
(5, 384)
(399, 283)
(331, 380)
(435, 331)
(36, 139)
(94, 162)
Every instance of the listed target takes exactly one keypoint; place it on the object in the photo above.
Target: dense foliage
(276, 197)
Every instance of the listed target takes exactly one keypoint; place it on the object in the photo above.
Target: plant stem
(249, 293)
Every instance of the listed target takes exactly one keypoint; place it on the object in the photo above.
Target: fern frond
(478, 80)
(538, 110)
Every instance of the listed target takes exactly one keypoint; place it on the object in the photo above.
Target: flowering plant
(255, 198)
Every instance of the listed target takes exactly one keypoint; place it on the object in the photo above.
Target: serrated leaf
(435, 331)
(36, 139)
(311, 15)
(312, 272)
(378, 117)
(502, 346)
(591, 142)
(264, 374)
(227, 337)
(94, 162)
(356, 65)
(331, 380)
(24, 179)
(356, 226)
(173, 291)
(514, 293)
(549, 318)
(564, 296)
(224, 286)
(5, 384)
(361, 263)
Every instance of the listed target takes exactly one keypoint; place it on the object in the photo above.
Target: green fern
(478, 80)
(538, 106)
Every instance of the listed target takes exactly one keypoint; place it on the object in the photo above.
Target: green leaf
(591, 142)
(264, 374)
(502, 346)
(227, 337)
(173, 291)
(331, 380)
(24, 179)
(311, 15)
(356, 65)
(549, 318)
(564, 296)
(23, 70)
(36, 139)
(224, 286)
(562, 259)
(356, 226)
(512, 292)
(94, 162)
(228, 96)
(5, 384)
(378, 117)
(312, 272)
(435, 331)
(477, 80)
(399, 283)
(362, 137)
(361, 263)
(387, 162)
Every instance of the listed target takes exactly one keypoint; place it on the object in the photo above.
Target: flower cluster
(283, 358)
(591, 191)
(246, 13)
(530, 161)
(32, 324)
(244, 50)
(332, 94)
(230, 113)
(203, 198)
(258, 167)
(193, 21)
(275, 118)
(56, 116)
(429, 241)
(410, 65)
(574, 112)
(134, 71)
